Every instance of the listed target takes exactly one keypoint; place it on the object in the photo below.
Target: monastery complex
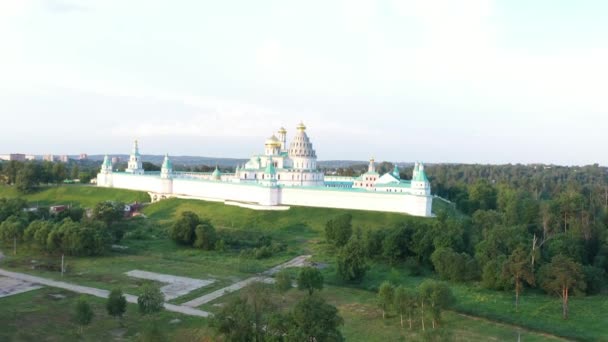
(283, 175)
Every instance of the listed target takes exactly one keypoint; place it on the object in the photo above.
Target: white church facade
(280, 177)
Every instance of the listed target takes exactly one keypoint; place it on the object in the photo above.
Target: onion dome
(273, 141)
(300, 145)
(217, 175)
(282, 130)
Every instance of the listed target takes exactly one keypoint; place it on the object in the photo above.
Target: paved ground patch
(177, 286)
(96, 292)
(10, 286)
(295, 262)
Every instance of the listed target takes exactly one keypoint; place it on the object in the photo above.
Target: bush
(205, 236)
(150, 300)
(183, 230)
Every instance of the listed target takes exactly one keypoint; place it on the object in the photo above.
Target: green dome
(216, 173)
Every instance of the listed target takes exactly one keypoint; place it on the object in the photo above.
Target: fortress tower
(135, 166)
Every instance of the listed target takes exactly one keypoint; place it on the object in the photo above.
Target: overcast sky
(432, 80)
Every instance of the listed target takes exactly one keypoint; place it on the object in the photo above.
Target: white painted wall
(270, 196)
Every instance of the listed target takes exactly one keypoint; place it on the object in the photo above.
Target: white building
(278, 178)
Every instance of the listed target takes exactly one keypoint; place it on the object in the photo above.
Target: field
(301, 229)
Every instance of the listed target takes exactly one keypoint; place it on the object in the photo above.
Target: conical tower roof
(167, 164)
(270, 170)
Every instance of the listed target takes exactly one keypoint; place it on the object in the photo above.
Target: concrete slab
(177, 286)
(10, 286)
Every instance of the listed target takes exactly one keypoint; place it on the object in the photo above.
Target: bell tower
(135, 166)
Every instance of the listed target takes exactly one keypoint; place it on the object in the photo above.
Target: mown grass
(363, 320)
(82, 195)
(38, 316)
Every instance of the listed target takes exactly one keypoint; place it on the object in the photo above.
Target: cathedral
(282, 176)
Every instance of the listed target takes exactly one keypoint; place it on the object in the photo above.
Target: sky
(472, 81)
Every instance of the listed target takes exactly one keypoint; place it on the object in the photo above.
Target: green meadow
(478, 315)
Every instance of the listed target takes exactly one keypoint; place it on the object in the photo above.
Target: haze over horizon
(471, 81)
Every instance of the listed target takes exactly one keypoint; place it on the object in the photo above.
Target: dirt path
(96, 292)
(295, 262)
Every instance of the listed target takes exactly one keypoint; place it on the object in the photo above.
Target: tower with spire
(135, 165)
(166, 171)
(420, 183)
(104, 177)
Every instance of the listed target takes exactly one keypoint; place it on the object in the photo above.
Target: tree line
(70, 232)
(29, 175)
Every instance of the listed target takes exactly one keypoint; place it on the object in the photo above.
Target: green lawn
(39, 316)
(301, 228)
(83, 195)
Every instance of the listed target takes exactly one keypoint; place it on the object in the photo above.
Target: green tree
(116, 304)
(386, 297)
(59, 172)
(405, 303)
(75, 172)
(26, 179)
(12, 228)
(351, 260)
(83, 314)
(183, 229)
(339, 230)
(438, 296)
(283, 282)
(518, 269)
(482, 195)
(205, 236)
(234, 320)
(315, 320)
(310, 279)
(150, 300)
(562, 276)
(108, 212)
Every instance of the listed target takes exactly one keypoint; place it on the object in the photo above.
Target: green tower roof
(167, 164)
(270, 170)
(420, 175)
(396, 172)
(216, 172)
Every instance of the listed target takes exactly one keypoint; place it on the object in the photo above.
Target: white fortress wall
(360, 200)
(137, 182)
(241, 192)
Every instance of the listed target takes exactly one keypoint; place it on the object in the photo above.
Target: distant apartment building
(13, 156)
(115, 160)
(30, 157)
(83, 156)
(48, 157)
(64, 159)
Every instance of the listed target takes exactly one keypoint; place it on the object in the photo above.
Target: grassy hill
(82, 195)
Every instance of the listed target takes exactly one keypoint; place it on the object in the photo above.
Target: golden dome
(273, 141)
(301, 127)
(282, 130)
